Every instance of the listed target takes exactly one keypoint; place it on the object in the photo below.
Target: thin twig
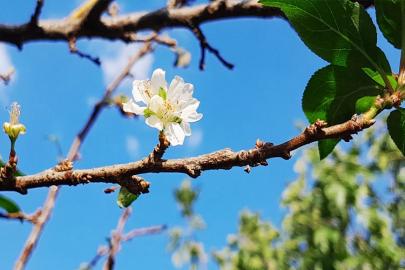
(205, 45)
(116, 239)
(22, 216)
(37, 12)
(33, 238)
(104, 250)
(143, 231)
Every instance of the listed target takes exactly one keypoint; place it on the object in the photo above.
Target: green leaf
(326, 147)
(148, 112)
(338, 31)
(389, 19)
(396, 128)
(162, 93)
(363, 104)
(125, 198)
(9, 205)
(334, 94)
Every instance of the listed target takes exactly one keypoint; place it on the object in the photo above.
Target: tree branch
(74, 150)
(116, 239)
(224, 159)
(22, 216)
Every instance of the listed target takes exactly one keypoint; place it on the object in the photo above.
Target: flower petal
(188, 91)
(186, 128)
(132, 107)
(156, 102)
(175, 88)
(158, 80)
(137, 93)
(188, 107)
(155, 122)
(174, 133)
(193, 117)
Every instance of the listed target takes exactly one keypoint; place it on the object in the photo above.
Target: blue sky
(260, 98)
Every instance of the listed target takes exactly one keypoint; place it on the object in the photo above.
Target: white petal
(175, 89)
(155, 103)
(136, 92)
(188, 91)
(186, 128)
(158, 80)
(155, 122)
(132, 107)
(193, 117)
(189, 107)
(174, 133)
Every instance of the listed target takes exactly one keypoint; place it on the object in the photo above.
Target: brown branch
(104, 250)
(73, 49)
(111, 189)
(113, 28)
(74, 150)
(143, 231)
(204, 45)
(116, 239)
(224, 159)
(22, 216)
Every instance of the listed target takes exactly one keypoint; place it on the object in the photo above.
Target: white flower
(169, 109)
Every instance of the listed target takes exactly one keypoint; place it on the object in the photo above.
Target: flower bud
(13, 128)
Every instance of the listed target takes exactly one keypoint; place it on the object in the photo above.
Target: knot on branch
(316, 127)
(10, 167)
(135, 184)
(65, 165)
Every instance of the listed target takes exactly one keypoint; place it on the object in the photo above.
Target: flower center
(145, 88)
(15, 113)
(166, 113)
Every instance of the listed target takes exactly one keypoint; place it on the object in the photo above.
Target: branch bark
(49, 204)
(224, 159)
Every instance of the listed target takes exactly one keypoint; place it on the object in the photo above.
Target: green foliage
(340, 32)
(389, 19)
(126, 198)
(343, 91)
(396, 127)
(335, 219)
(9, 205)
(182, 242)
(186, 197)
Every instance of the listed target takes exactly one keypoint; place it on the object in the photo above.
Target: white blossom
(168, 109)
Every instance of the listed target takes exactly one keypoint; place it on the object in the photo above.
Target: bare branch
(224, 159)
(116, 239)
(22, 216)
(143, 231)
(37, 12)
(205, 45)
(116, 27)
(74, 150)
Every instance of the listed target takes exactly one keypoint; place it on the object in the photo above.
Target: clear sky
(260, 98)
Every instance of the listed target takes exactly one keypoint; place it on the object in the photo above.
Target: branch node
(247, 169)
(65, 165)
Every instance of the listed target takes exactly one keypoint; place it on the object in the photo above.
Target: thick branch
(224, 159)
(114, 28)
